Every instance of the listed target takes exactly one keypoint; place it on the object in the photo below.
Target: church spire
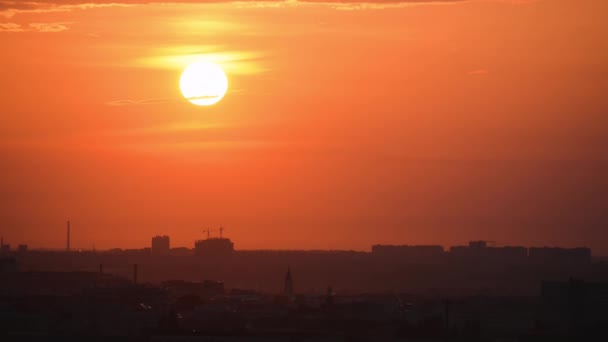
(288, 289)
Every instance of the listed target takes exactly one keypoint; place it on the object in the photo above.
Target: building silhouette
(4, 248)
(213, 247)
(161, 245)
(412, 253)
(8, 264)
(561, 256)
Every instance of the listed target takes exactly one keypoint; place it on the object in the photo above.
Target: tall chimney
(134, 274)
(68, 244)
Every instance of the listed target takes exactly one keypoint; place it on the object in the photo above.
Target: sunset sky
(345, 124)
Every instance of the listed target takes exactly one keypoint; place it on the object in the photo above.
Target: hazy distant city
(215, 292)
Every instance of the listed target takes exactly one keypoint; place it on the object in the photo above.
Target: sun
(203, 83)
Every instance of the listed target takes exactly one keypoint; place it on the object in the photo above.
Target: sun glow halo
(203, 83)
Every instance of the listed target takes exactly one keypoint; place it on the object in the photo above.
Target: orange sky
(344, 125)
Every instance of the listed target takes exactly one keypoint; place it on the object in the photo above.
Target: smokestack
(68, 244)
(134, 274)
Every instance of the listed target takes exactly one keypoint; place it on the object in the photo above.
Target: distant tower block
(4, 248)
(68, 242)
(216, 246)
(161, 245)
(288, 290)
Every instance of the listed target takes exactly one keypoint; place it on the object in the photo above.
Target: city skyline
(216, 233)
(161, 245)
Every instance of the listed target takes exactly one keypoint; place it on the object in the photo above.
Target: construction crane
(208, 231)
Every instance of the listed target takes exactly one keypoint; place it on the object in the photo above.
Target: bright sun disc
(203, 83)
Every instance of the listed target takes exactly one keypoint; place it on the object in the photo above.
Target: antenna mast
(68, 242)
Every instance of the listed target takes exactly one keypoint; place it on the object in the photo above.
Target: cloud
(34, 27)
(478, 72)
(9, 8)
(49, 27)
(120, 103)
(171, 127)
(178, 57)
(11, 27)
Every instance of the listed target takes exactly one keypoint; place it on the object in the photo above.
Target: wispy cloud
(34, 27)
(49, 27)
(478, 72)
(173, 127)
(119, 103)
(11, 27)
(10, 8)
(178, 57)
(186, 136)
